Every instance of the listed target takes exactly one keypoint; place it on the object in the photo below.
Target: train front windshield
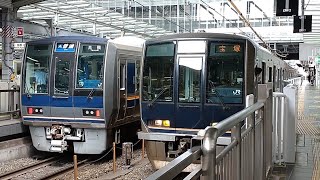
(224, 74)
(37, 69)
(225, 69)
(90, 66)
(158, 72)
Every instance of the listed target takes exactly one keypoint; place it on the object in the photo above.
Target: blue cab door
(61, 81)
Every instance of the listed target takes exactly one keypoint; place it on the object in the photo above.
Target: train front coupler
(60, 134)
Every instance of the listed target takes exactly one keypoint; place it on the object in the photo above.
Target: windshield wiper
(90, 95)
(157, 97)
(225, 107)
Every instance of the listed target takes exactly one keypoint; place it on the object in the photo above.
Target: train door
(129, 98)
(61, 80)
(189, 103)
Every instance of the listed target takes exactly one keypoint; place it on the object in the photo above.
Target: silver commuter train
(190, 81)
(81, 93)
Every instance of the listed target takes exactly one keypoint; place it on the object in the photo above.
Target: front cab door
(61, 81)
(189, 103)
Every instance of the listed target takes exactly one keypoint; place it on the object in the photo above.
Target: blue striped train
(81, 93)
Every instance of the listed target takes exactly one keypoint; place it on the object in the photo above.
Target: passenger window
(270, 74)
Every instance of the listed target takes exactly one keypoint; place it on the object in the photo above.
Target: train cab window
(158, 72)
(61, 77)
(225, 73)
(90, 66)
(37, 68)
(189, 79)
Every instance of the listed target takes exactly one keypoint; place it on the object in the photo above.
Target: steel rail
(25, 169)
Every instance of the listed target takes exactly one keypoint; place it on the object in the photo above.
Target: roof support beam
(90, 20)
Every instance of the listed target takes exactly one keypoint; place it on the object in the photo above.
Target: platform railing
(9, 103)
(247, 157)
(296, 81)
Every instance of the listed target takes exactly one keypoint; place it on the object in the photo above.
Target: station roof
(86, 16)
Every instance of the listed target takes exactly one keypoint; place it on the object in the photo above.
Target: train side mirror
(257, 70)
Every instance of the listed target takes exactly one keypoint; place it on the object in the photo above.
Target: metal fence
(247, 157)
(9, 103)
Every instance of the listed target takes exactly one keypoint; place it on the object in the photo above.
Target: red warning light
(30, 110)
(97, 113)
(20, 31)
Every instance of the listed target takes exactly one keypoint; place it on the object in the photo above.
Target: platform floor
(11, 127)
(308, 135)
(307, 166)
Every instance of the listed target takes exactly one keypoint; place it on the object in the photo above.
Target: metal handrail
(176, 166)
(225, 125)
(208, 149)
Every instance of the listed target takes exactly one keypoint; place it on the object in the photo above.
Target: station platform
(11, 127)
(307, 166)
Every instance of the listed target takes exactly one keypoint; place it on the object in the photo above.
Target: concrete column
(8, 16)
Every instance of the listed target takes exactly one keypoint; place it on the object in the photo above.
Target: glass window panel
(158, 72)
(189, 79)
(37, 68)
(61, 83)
(90, 66)
(191, 46)
(225, 76)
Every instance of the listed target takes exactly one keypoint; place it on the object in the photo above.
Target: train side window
(122, 76)
(263, 72)
(270, 74)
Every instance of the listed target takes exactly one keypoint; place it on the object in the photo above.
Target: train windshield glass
(90, 66)
(225, 71)
(37, 68)
(189, 79)
(158, 72)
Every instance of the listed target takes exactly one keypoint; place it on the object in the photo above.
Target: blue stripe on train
(78, 101)
(63, 120)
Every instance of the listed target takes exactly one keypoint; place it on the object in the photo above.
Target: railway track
(18, 172)
(32, 169)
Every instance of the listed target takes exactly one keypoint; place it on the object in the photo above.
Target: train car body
(80, 93)
(191, 81)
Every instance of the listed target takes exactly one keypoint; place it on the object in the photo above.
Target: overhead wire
(254, 31)
(223, 17)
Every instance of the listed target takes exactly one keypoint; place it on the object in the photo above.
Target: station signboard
(287, 7)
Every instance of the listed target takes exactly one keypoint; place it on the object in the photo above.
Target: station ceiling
(85, 16)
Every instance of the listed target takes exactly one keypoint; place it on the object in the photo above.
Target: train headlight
(163, 123)
(166, 123)
(158, 122)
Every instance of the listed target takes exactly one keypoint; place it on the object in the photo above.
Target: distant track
(31, 167)
(64, 170)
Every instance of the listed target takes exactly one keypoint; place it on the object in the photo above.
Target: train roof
(86, 39)
(198, 36)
